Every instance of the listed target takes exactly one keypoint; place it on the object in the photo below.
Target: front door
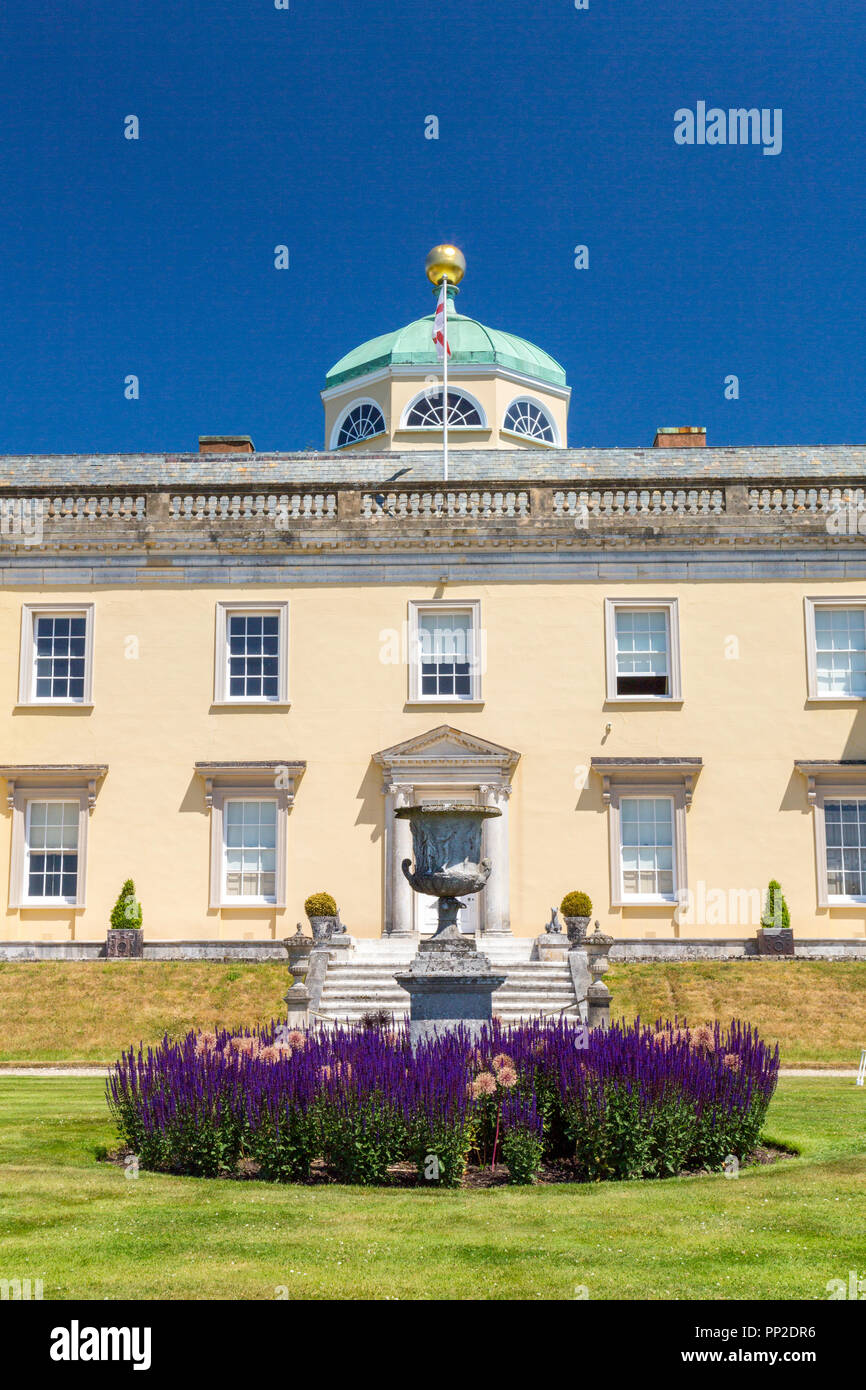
(425, 908)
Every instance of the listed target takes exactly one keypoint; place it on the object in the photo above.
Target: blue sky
(305, 127)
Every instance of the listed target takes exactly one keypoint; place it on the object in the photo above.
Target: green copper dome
(471, 342)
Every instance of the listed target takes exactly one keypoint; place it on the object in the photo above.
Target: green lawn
(776, 1232)
(90, 1010)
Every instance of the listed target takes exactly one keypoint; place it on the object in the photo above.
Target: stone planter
(323, 928)
(775, 941)
(577, 927)
(124, 943)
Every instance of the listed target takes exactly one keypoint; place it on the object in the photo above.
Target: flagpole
(445, 411)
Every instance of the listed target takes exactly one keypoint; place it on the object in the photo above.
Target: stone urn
(598, 994)
(124, 943)
(449, 982)
(299, 948)
(446, 840)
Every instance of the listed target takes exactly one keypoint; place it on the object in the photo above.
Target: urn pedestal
(450, 984)
(552, 943)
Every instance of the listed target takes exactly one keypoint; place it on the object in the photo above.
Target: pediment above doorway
(446, 752)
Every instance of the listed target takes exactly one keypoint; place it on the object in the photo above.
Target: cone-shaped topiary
(776, 912)
(320, 905)
(127, 910)
(576, 905)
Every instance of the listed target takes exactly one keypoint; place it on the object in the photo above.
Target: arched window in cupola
(425, 412)
(525, 416)
(361, 421)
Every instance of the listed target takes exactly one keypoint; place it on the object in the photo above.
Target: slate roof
(700, 466)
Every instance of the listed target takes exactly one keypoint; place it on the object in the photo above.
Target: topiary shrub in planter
(321, 909)
(124, 936)
(775, 935)
(576, 909)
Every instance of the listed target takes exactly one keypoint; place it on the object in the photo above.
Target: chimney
(225, 444)
(679, 436)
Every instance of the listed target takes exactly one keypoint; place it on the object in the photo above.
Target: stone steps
(364, 981)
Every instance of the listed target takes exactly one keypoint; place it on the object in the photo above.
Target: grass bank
(89, 1010)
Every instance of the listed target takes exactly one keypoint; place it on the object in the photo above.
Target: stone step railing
(429, 506)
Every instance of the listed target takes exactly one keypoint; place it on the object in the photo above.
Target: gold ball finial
(445, 263)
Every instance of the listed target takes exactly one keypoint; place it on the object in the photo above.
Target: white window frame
(455, 388)
(226, 610)
(218, 895)
(346, 412)
(240, 900)
(524, 399)
(812, 647)
(62, 783)
(27, 663)
(645, 899)
(653, 779)
(262, 781)
(830, 782)
(31, 799)
(670, 607)
(418, 608)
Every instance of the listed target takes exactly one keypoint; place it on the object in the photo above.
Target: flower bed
(625, 1102)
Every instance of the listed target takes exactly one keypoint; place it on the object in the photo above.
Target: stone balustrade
(359, 515)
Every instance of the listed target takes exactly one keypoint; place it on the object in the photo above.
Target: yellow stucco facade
(744, 712)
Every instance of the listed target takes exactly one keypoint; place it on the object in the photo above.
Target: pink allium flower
(484, 1085)
(502, 1060)
(507, 1077)
(296, 1038)
(273, 1054)
(205, 1042)
(703, 1039)
(731, 1060)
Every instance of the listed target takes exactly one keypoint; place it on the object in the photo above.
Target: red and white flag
(439, 335)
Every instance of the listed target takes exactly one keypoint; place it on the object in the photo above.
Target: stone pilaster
(398, 846)
(495, 906)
